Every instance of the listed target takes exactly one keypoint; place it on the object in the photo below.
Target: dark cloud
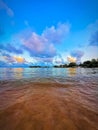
(2, 63)
(94, 39)
(8, 58)
(12, 49)
(5, 64)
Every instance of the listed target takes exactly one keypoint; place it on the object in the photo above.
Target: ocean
(48, 98)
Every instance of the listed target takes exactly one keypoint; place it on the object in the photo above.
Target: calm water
(48, 99)
(48, 74)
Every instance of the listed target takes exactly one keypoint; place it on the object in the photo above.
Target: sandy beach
(47, 106)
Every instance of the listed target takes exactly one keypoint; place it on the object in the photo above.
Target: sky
(48, 32)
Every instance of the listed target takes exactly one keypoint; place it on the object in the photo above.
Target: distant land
(86, 64)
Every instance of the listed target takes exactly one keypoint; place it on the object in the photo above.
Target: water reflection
(6, 73)
(39, 73)
(72, 71)
(26, 105)
(18, 73)
(57, 72)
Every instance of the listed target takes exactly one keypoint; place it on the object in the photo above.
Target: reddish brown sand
(46, 106)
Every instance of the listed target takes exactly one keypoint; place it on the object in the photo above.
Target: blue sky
(48, 32)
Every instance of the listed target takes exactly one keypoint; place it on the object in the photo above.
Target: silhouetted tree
(72, 64)
(65, 65)
(90, 64)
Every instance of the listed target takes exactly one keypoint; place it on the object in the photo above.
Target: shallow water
(48, 99)
(47, 74)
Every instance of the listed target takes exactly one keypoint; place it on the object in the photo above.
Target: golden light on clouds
(19, 59)
(71, 59)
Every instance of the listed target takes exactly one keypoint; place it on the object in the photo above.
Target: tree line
(86, 64)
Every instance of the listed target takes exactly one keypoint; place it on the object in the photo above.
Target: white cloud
(71, 59)
(43, 45)
(56, 34)
(38, 46)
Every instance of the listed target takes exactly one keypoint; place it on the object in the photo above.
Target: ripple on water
(50, 103)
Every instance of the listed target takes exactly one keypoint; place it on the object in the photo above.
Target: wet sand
(48, 106)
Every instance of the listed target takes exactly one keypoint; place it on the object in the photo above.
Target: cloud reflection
(18, 73)
(72, 71)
